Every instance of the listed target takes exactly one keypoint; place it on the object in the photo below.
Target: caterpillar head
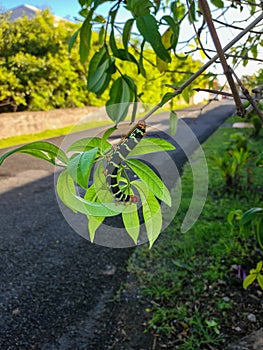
(133, 199)
(142, 124)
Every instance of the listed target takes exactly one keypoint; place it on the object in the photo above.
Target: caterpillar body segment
(119, 155)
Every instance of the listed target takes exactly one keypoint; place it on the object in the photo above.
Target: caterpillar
(121, 151)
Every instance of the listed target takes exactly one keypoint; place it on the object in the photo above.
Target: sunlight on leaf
(152, 181)
(151, 212)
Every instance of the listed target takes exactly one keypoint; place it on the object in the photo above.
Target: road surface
(55, 285)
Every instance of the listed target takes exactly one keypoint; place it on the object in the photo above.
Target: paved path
(55, 284)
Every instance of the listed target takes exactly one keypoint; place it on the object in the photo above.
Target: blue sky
(70, 9)
(58, 7)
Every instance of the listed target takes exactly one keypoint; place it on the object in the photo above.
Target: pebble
(238, 329)
(226, 299)
(251, 318)
(16, 311)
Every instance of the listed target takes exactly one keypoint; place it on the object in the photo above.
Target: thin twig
(230, 55)
(217, 92)
(228, 73)
(197, 33)
(234, 27)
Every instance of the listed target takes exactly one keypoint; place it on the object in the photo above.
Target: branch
(248, 97)
(208, 64)
(207, 15)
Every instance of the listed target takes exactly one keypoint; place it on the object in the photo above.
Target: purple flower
(241, 273)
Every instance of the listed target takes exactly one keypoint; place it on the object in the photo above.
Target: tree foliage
(36, 71)
(148, 40)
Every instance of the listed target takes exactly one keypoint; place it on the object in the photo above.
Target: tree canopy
(159, 26)
(38, 73)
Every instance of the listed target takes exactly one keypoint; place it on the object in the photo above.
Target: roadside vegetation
(38, 73)
(191, 283)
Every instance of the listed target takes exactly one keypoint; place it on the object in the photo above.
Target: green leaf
(218, 3)
(107, 78)
(108, 133)
(39, 149)
(152, 181)
(72, 40)
(127, 56)
(260, 233)
(142, 69)
(151, 209)
(96, 3)
(178, 11)
(259, 161)
(138, 7)
(186, 96)
(101, 35)
(133, 88)
(99, 178)
(127, 32)
(167, 97)
(113, 45)
(234, 214)
(91, 194)
(151, 145)
(166, 40)
(148, 28)
(260, 280)
(67, 194)
(85, 38)
(173, 122)
(94, 222)
(131, 222)
(99, 19)
(80, 166)
(120, 97)
(250, 215)
(97, 80)
(88, 143)
(66, 190)
(175, 28)
(82, 2)
(99, 74)
(249, 280)
(254, 50)
(259, 266)
(192, 11)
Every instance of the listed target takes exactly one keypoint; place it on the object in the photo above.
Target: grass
(188, 278)
(18, 140)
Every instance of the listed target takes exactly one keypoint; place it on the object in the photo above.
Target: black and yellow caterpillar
(118, 156)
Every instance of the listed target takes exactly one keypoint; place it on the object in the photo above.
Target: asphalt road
(54, 284)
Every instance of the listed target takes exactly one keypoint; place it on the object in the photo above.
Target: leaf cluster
(84, 168)
(144, 45)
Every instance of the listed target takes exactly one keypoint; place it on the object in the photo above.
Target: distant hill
(29, 11)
